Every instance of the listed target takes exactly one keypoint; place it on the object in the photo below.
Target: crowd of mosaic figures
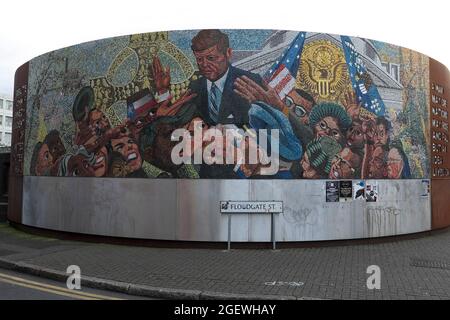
(317, 139)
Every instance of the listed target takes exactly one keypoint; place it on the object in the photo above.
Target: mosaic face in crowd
(79, 166)
(212, 53)
(377, 165)
(381, 136)
(100, 165)
(330, 119)
(355, 135)
(395, 164)
(55, 144)
(129, 151)
(43, 160)
(369, 128)
(345, 165)
(47, 153)
(98, 122)
(300, 103)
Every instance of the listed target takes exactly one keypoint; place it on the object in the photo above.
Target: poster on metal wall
(332, 191)
(359, 187)
(371, 192)
(345, 190)
(425, 188)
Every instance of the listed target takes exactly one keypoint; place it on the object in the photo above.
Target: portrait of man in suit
(216, 101)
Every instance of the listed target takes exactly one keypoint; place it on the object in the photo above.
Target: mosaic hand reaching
(351, 104)
(161, 76)
(167, 109)
(252, 92)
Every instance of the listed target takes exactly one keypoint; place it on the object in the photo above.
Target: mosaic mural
(342, 107)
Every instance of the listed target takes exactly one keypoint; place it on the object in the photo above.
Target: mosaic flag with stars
(290, 59)
(362, 83)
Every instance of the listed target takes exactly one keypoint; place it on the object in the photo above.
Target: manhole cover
(425, 263)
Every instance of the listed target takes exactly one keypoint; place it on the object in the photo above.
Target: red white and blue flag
(283, 82)
(281, 75)
(140, 104)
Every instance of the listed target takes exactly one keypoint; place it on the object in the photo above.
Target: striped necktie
(215, 98)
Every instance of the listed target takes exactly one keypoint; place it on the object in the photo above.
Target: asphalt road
(18, 286)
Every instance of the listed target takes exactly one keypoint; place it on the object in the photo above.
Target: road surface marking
(53, 289)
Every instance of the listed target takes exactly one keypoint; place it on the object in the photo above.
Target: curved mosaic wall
(344, 107)
(350, 134)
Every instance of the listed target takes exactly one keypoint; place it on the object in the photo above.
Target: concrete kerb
(163, 293)
(104, 284)
(135, 289)
(206, 295)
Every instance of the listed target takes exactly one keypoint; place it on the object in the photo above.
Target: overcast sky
(30, 28)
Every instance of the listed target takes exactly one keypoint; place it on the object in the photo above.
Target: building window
(8, 121)
(393, 69)
(386, 67)
(370, 52)
(7, 139)
(1, 103)
(1, 122)
(9, 105)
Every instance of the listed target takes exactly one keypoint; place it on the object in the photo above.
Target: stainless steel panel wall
(189, 209)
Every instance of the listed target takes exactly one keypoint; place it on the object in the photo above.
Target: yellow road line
(46, 290)
(80, 294)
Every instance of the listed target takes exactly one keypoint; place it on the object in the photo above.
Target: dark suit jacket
(231, 104)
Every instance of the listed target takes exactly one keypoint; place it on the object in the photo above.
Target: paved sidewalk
(410, 269)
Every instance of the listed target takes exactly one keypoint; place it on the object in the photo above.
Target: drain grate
(425, 263)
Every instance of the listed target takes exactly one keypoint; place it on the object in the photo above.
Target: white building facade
(6, 117)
